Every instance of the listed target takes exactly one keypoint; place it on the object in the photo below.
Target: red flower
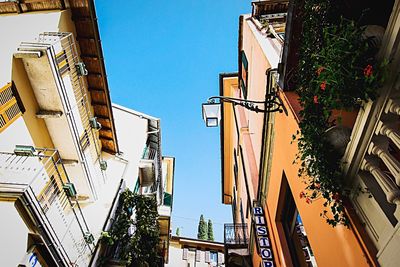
(323, 85)
(317, 185)
(368, 71)
(308, 200)
(302, 194)
(336, 197)
(315, 99)
(319, 70)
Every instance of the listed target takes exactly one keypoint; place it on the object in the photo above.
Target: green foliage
(140, 248)
(210, 234)
(177, 233)
(337, 70)
(146, 237)
(202, 229)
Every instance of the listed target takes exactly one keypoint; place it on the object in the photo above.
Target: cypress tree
(177, 231)
(210, 231)
(202, 229)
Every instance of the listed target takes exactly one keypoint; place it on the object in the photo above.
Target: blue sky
(163, 58)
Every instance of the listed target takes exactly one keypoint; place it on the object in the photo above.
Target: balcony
(56, 76)
(38, 177)
(372, 159)
(236, 239)
(147, 170)
(270, 18)
(372, 165)
(236, 235)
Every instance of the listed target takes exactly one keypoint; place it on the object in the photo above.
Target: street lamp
(212, 109)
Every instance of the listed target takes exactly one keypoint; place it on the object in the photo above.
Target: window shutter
(185, 254)
(10, 106)
(198, 255)
(221, 258)
(207, 259)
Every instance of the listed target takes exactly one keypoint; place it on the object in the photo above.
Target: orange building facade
(259, 167)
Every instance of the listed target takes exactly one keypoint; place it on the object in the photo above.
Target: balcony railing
(151, 154)
(236, 235)
(38, 176)
(66, 96)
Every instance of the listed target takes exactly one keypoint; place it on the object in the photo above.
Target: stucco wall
(331, 246)
(14, 235)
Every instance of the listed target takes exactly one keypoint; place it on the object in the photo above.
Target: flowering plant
(337, 70)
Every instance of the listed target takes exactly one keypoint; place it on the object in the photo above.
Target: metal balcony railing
(69, 73)
(39, 178)
(236, 234)
(150, 153)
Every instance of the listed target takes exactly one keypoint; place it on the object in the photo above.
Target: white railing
(74, 96)
(41, 178)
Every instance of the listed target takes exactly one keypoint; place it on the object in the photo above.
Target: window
(10, 106)
(198, 255)
(213, 258)
(243, 73)
(185, 254)
(295, 234)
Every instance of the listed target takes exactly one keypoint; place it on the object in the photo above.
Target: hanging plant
(138, 247)
(337, 70)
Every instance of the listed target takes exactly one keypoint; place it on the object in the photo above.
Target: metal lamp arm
(251, 104)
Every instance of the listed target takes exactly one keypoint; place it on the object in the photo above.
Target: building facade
(62, 166)
(185, 252)
(272, 224)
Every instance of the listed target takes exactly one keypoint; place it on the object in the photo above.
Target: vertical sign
(263, 241)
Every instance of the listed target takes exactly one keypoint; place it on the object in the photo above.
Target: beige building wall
(13, 242)
(182, 253)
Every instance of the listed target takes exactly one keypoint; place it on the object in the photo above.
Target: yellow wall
(230, 137)
(15, 28)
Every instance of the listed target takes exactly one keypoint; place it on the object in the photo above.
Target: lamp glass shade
(211, 114)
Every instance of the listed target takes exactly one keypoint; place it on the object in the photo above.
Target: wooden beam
(102, 117)
(108, 150)
(99, 104)
(82, 18)
(94, 89)
(92, 57)
(95, 74)
(80, 38)
(104, 128)
(106, 138)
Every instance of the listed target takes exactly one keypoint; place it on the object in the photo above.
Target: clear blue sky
(163, 58)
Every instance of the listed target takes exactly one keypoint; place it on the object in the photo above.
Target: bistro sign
(263, 241)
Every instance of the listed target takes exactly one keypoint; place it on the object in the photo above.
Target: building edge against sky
(62, 166)
(258, 154)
